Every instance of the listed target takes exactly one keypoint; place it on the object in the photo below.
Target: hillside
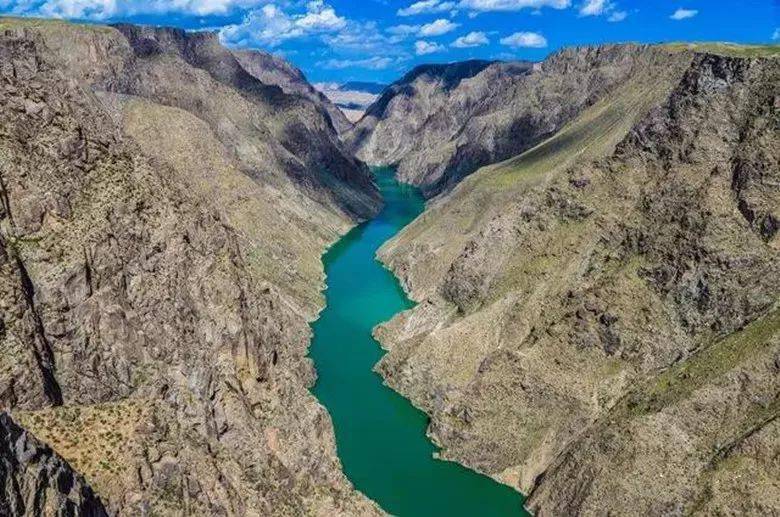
(163, 216)
(272, 69)
(597, 318)
(440, 123)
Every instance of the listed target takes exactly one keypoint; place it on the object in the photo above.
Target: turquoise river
(380, 436)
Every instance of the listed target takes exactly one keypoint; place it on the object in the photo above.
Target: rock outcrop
(37, 481)
(163, 214)
(598, 316)
(271, 69)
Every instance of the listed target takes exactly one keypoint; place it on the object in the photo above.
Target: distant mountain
(352, 97)
(362, 86)
(441, 122)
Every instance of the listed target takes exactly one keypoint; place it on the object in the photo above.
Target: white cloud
(776, 34)
(320, 17)
(404, 30)
(104, 9)
(525, 39)
(425, 7)
(270, 25)
(82, 9)
(511, 5)
(361, 37)
(470, 40)
(617, 16)
(422, 48)
(593, 7)
(372, 63)
(435, 28)
(602, 7)
(681, 14)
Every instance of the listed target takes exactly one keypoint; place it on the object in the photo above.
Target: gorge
(571, 267)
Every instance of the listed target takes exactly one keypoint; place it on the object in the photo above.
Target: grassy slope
(451, 221)
(470, 355)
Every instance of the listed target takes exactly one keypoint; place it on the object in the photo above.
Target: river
(380, 436)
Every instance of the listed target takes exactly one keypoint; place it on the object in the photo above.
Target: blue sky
(378, 40)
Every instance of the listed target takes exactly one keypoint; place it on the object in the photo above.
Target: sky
(379, 40)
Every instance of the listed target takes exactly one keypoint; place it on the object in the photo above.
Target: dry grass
(99, 441)
(726, 49)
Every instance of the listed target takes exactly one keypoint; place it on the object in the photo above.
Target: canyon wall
(597, 322)
(163, 215)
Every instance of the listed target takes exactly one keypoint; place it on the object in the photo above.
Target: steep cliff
(598, 316)
(161, 228)
(272, 69)
(37, 481)
(440, 123)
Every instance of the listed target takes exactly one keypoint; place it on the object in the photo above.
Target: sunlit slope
(552, 284)
(452, 220)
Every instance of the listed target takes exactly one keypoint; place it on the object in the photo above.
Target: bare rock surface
(37, 481)
(144, 335)
(272, 69)
(598, 322)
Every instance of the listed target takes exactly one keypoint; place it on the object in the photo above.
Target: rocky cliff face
(440, 127)
(271, 69)
(37, 481)
(161, 232)
(598, 316)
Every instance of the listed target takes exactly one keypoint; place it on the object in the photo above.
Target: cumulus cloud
(422, 47)
(602, 7)
(525, 39)
(270, 25)
(361, 37)
(776, 34)
(511, 5)
(470, 40)
(682, 14)
(435, 28)
(320, 17)
(426, 7)
(593, 7)
(372, 63)
(105, 9)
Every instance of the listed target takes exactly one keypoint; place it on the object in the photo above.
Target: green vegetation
(682, 379)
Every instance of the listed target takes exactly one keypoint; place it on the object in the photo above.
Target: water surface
(380, 435)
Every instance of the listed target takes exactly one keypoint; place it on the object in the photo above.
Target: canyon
(595, 320)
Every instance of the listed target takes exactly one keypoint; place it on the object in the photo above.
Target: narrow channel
(380, 436)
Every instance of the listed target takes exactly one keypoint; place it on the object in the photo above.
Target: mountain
(162, 220)
(362, 86)
(271, 69)
(437, 131)
(598, 316)
(440, 122)
(352, 98)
